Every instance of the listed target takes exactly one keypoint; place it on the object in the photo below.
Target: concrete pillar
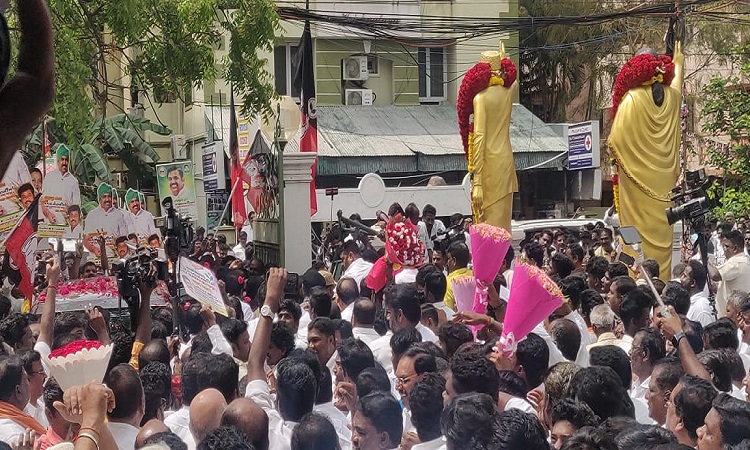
(297, 244)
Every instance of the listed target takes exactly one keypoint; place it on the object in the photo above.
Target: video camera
(454, 233)
(179, 231)
(143, 267)
(691, 201)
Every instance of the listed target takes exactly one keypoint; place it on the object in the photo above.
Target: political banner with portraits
(60, 203)
(17, 193)
(176, 180)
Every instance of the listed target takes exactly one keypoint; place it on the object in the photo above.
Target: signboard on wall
(214, 178)
(583, 145)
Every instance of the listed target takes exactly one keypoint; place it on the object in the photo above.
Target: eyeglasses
(403, 380)
(38, 372)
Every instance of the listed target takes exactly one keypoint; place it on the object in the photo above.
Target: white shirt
(641, 412)
(626, 343)
(366, 335)
(381, 349)
(735, 275)
(582, 357)
(142, 225)
(555, 356)
(124, 434)
(10, 431)
(219, 343)
(112, 223)
(449, 313)
(239, 252)
(249, 230)
(520, 404)
(74, 233)
(57, 188)
(435, 444)
(427, 334)
(358, 269)
(429, 238)
(338, 420)
(639, 389)
(279, 430)
(179, 422)
(700, 310)
(348, 312)
(37, 411)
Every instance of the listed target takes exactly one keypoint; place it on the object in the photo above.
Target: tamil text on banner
(60, 204)
(17, 193)
(176, 180)
(201, 284)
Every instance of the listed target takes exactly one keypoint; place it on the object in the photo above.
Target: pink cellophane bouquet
(489, 245)
(533, 297)
(79, 362)
(402, 249)
(464, 289)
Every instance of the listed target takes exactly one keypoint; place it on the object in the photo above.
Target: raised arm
(262, 338)
(47, 323)
(28, 95)
(672, 326)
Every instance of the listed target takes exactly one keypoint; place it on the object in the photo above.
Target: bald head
(155, 350)
(364, 313)
(245, 415)
(206, 410)
(347, 290)
(149, 429)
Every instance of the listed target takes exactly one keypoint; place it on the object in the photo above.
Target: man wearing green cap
(105, 220)
(141, 222)
(60, 190)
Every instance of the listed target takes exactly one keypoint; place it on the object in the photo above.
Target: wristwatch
(676, 339)
(265, 311)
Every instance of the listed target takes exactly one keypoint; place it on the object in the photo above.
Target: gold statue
(487, 93)
(645, 144)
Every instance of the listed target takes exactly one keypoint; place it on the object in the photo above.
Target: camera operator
(26, 97)
(734, 274)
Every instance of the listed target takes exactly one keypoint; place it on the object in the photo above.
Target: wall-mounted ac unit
(359, 97)
(354, 68)
(179, 147)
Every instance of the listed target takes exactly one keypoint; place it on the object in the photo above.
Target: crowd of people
(317, 361)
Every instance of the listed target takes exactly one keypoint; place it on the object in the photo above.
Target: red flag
(47, 144)
(20, 248)
(238, 201)
(305, 82)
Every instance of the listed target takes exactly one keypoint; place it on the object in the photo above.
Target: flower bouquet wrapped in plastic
(464, 290)
(533, 297)
(489, 245)
(79, 362)
(403, 249)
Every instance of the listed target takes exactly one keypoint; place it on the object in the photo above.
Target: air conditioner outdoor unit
(179, 147)
(359, 97)
(354, 68)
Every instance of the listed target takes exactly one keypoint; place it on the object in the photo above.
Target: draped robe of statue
(494, 169)
(645, 140)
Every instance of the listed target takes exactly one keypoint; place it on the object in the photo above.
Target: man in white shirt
(125, 419)
(432, 284)
(429, 229)
(603, 322)
(647, 349)
(734, 274)
(402, 310)
(141, 221)
(351, 261)
(75, 224)
(106, 221)
(247, 228)
(239, 249)
(413, 365)
(321, 338)
(363, 321)
(32, 363)
(694, 279)
(13, 420)
(376, 423)
(426, 403)
(347, 291)
(60, 189)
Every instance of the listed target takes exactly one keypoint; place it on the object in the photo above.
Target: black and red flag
(304, 81)
(20, 251)
(238, 201)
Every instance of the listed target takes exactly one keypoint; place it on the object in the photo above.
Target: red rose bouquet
(403, 249)
(79, 362)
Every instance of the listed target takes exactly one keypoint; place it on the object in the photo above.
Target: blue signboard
(583, 146)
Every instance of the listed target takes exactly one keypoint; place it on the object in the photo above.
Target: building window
(432, 69)
(285, 66)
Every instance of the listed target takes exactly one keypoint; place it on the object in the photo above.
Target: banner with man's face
(59, 206)
(176, 180)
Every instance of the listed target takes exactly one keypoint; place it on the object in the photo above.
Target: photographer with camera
(26, 97)
(734, 274)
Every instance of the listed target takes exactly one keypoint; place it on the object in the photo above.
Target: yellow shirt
(450, 299)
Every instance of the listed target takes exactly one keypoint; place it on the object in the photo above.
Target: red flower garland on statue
(641, 70)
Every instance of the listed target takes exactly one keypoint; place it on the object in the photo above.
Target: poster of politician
(107, 222)
(17, 193)
(61, 199)
(176, 180)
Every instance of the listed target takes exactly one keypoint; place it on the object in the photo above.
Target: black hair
(122, 348)
(11, 373)
(355, 356)
(423, 362)
(156, 379)
(576, 252)
(589, 438)
(160, 330)
(403, 297)
(402, 339)
(615, 358)
(512, 383)
(669, 373)
(428, 311)
(373, 379)
(453, 335)
(344, 327)
(412, 212)
(579, 414)
(734, 418)
(597, 267)
(167, 438)
(426, 404)
(721, 334)
(601, 389)
(282, 338)
(124, 382)
(297, 388)
(201, 343)
(693, 402)
(232, 329)
(677, 296)
(460, 252)
(634, 303)
(320, 301)
(652, 341)
(589, 299)
(533, 356)
(694, 333)
(192, 317)
(567, 337)
(717, 364)
(534, 252)
(204, 370)
(517, 429)
(433, 280)
(644, 437)
(13, 328)
(623, 285)
(469, 421)
(617, 269)
(472, 372)
(698, 273)
(572, 286)
(5, 306)
(736, 238)
(323, 325)
(384, 412)
(225, 438)
(292, 308)
(315, 432)
(561, 264)
(652, 267)
(351, 247)
(28, 358)
(364, 311)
